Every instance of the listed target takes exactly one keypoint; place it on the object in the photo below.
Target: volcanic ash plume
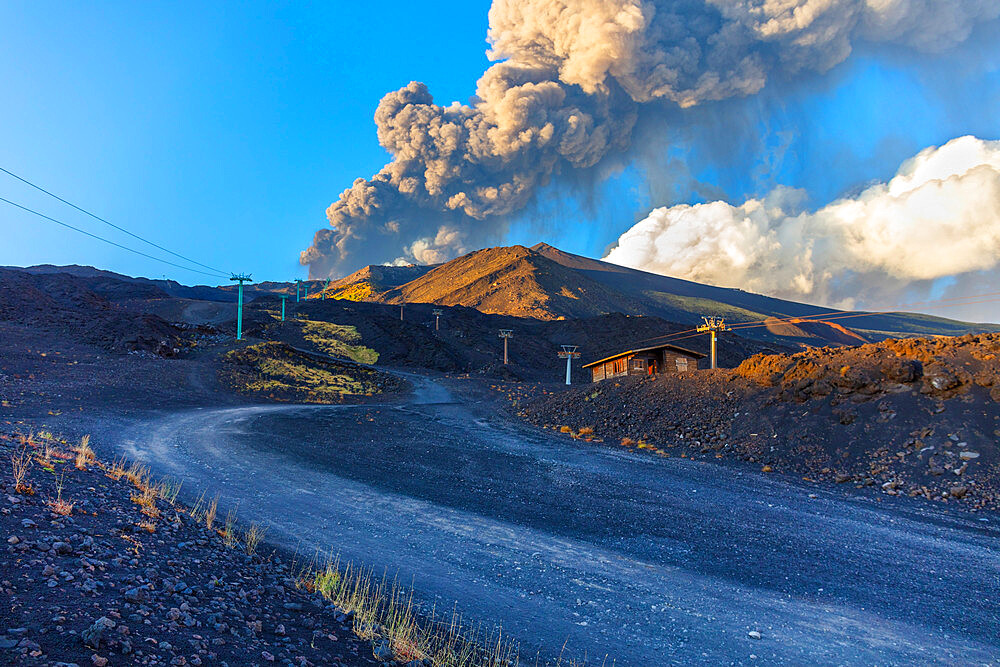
(564, 93)
(939, 216)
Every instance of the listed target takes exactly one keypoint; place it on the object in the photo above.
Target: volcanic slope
(546, 283)
(371, 281)
(514, 281)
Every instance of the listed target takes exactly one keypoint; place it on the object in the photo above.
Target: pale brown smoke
(564, 93)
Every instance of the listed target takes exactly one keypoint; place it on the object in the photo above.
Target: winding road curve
(649, 561)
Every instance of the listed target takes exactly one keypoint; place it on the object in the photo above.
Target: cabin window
(682, 364)
(639, 364)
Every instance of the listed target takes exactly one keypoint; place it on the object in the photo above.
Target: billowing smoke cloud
(938, 217)
(564, 93)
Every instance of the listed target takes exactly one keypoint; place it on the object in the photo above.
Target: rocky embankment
(103, 567)
(916, 417)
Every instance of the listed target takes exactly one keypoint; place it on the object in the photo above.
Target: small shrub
(565, 429)
(587, 430)
(627, 442)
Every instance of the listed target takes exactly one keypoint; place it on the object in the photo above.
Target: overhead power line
(121, 229)
(101, 238)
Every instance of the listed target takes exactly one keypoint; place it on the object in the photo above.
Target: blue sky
(224, 132)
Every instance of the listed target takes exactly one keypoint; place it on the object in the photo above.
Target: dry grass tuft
(627, 442)
(167, 489)
(148, 526)
(211, 512)
(565, 429)
(252, 538)
(146, 499)
(138, 475)
(384, 609)
(228, 531)
(117, 469)
(587, 430)
(84, 454)
(21, 464)
(60, 506)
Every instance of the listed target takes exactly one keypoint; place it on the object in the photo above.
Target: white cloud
(939, 216)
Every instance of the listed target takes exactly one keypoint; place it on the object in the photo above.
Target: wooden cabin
(646, 361)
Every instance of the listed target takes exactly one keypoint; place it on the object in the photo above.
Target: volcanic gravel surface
(104, 583)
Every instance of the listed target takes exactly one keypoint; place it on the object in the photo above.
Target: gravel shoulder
(91, 576)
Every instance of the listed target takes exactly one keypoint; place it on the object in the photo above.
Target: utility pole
(298, 288)
(712, 326)
(284, 298)
(569, 353)
(437, 318)
(240, 278)
(506, 334)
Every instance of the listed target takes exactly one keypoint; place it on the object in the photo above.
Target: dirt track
(651, 561)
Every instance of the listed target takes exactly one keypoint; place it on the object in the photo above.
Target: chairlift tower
(298, 288)
(569, 353)
(240, 278)
(713, 326)
(437, 318)
(284, 298)
(506, 334)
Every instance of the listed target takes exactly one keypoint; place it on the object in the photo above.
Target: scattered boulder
(93, 635)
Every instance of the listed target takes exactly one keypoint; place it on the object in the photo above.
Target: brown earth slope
(512, 281)
(918, 416)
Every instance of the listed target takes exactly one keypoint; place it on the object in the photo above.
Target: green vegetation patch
(276, 371)
(361, 291)
(338, 340)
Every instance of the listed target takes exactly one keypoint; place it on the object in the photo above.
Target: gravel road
(645, 560)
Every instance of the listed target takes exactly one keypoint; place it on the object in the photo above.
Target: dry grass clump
(168, 489)
(586, 430)
(84, 454)
(565, 429)
(627, 442)
(385, 610)
(146, 499)
(20, 465)
(228, 530)
(211, 512)
(252, 538)
(138, 475)
(60, 506)
(116, 469)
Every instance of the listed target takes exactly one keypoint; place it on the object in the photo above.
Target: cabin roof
(682, 350)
